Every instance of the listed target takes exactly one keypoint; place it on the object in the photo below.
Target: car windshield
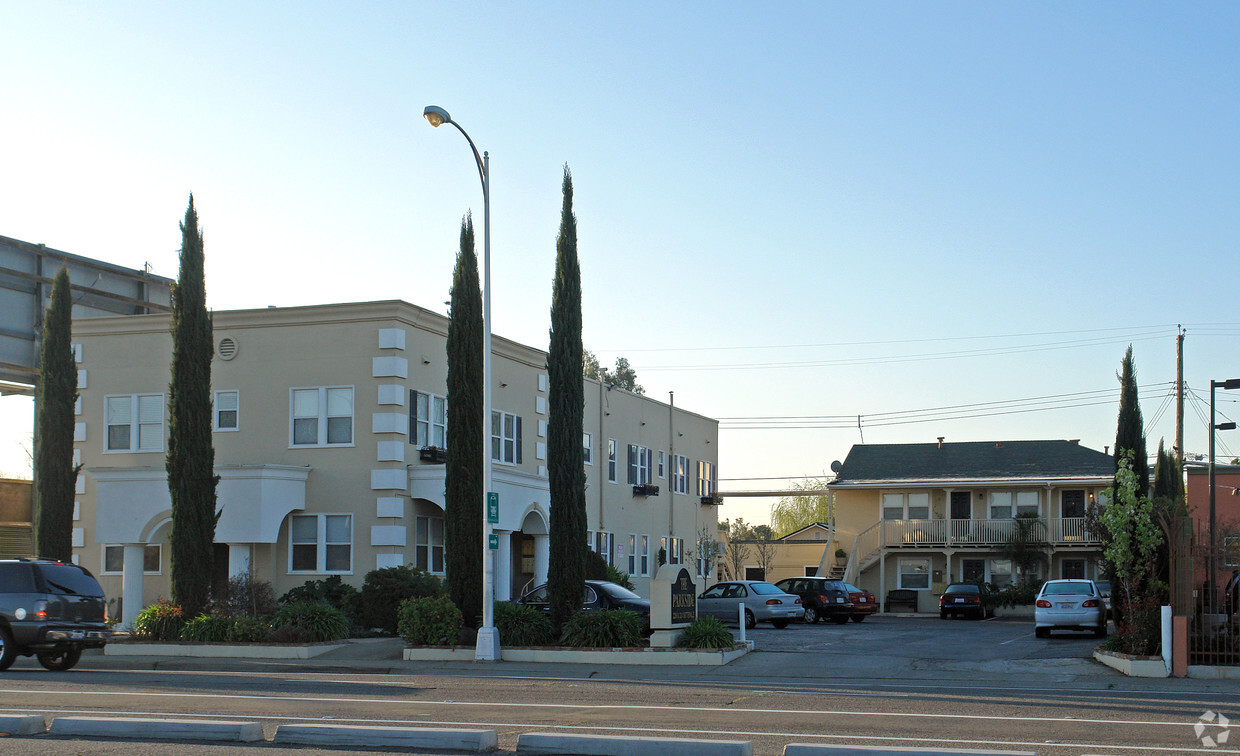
(69, 580)
(616, 591)
(764, 589)
(1069, 588)
(852, 588)
(963, 588)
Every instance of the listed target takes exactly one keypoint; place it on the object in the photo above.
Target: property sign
(493, 542)
(684, 599)
(493, 508)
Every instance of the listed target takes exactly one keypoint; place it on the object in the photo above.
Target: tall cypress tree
(191, 458)
(463, 476)
(566, 573)
(56, 394)
(1130, 429)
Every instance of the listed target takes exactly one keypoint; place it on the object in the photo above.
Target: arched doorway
(530, 549)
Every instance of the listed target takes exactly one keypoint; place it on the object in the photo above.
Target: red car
(864, 603)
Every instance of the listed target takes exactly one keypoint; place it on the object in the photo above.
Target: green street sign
(493, 508)
(493, 542)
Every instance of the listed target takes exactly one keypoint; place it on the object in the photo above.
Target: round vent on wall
(226, 348)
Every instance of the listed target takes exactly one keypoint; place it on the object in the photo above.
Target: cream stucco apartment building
(330, 423)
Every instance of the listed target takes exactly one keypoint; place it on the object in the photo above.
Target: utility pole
(1179, 396)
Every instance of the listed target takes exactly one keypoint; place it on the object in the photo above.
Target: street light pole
(1232, 383)
(488, 637)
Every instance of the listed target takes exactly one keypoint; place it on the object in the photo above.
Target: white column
(542, 558)
(131, 583)
(882, 580)
(503, 566)
(238, 559)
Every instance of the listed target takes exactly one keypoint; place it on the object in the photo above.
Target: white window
(913, 506)
(1028, 503)
(603, 545)
(633, 563)
(662, 466)
(706, 478)
(322, 416)
(428, 544)
(321, 543)
(677, 553)
(114, 559)
(918, 506)
(587, 448)
(505, 438)
(135, 423)
(640, 459)
(1000, 505)
(611, 460)
(680, 474)
(430, 420)
(664, 553)
(914, 574)
(226, 406)
(1001, 572)
(893, 506)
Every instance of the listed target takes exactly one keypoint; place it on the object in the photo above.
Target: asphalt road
(888, 681)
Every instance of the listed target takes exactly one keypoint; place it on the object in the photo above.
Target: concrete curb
(1133, 666)
(639, 656)
(157, 729)
(806, 749)
(219, 650)
(32, 724)
(611, 745)
(471, 741)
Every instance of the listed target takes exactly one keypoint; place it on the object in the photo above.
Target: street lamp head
(1230, 383)
(436, 115)
(1225, 426)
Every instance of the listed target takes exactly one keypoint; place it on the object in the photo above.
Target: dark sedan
(599, 594)
(822, 598)
(966, 599)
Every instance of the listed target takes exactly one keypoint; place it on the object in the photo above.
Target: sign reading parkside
(684, 599)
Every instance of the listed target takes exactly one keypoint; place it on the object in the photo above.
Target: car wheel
(841, 619)
(811, 615)
(1042, 632)
(61, 659)
(942, 615)
(8, 652)
(779, 624)
(1101, 632)
(858, 618)
(750, 621)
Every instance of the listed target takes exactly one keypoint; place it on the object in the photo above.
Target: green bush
(430, 621)
(242, 596)
(618, 577)
(522, 625)
(332, 591)
(606, 628)
(707, 632)
(383, 591)
(314, 621)
(161, 621)
(206, 629)
(248, 630)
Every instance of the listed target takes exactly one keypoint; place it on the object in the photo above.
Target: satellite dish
(836, 467)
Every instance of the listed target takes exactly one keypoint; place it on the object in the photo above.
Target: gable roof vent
(226, 348)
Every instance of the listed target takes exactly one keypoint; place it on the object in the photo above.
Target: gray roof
(976, 460)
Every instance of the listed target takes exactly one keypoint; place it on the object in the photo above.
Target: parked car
(599, 594)
(966, 599)
(864, 603)
(821, 598)
(1104, 588)
(51, 610)
(1069, 605)
(763, 602)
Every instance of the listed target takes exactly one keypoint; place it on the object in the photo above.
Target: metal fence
(1214, 625)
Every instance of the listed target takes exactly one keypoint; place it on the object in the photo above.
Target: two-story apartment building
(920, 516)
(330, 424)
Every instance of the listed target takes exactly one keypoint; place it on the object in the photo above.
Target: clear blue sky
(792, 209)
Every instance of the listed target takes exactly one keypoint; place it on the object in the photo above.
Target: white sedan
(1069, 605)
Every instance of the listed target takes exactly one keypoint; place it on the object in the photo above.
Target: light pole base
(488, 645)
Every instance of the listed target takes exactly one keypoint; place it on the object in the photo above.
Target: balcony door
(962, 505)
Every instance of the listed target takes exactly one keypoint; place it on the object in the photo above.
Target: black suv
(50, 609)
(822, 598)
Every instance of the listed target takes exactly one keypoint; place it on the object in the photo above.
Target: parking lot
(927, 638)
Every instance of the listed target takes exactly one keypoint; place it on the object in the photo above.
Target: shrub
(332, 591)
(243, 596)
(248, 630)
(286, 634)
(618, 577)
(430, 621)
(316, 622)
(520, 625)
(707, 632)
(206, 629)
(383, 591)
(606, 628)
(161, 621)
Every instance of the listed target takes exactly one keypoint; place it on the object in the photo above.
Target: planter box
(1133, 666)
(562, 655)
(220, 650)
